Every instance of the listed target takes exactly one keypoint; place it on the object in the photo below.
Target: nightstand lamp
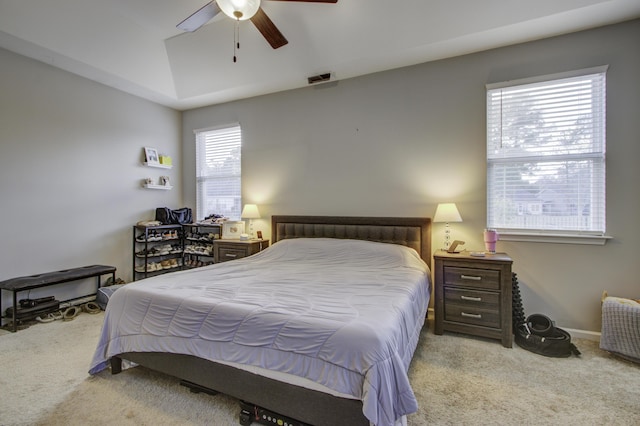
(447, 212)
(250, 211)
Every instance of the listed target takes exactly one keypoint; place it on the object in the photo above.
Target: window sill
(598, 240)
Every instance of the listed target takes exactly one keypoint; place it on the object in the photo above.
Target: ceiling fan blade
(200, 17)
(311, 1)
(268, 29)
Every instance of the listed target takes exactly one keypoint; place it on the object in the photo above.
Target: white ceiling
(134, 46)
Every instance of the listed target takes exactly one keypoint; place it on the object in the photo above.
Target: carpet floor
(458, 380)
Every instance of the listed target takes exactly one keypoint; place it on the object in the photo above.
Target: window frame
(234, 175)
(546, 235)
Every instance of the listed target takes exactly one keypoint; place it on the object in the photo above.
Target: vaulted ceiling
(134, 45)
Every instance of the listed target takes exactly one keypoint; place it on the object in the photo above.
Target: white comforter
(343, 313)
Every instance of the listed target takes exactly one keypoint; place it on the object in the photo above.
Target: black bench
(16, 285)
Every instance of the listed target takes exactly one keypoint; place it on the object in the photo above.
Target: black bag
(539, 335)
(173, 217)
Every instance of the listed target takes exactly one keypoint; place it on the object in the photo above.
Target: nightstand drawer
(225, 250)
(472, 315)
(230, 253)
(472, 277)
(473, 299)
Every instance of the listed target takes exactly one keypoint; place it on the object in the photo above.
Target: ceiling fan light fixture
(239, 9)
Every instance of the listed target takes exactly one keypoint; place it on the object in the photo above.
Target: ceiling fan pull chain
(238, 30)
(236, 39)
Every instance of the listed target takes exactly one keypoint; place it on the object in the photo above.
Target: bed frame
(307, 406)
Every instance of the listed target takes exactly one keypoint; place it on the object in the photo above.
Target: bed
(320, 327)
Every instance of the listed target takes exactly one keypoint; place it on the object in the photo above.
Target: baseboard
(583, 334)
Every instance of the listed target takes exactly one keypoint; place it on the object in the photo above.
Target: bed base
(304, 405)
(250, 413)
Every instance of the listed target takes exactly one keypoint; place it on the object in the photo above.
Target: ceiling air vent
(320, 78)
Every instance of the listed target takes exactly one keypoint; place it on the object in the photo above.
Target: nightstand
(224, 250)
(473, 295)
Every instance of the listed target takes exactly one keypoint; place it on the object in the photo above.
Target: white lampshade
(447, 212)
(250, 211)
(239, 9)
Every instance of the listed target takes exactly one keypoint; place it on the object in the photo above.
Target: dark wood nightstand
(224, 250)
(473, 295)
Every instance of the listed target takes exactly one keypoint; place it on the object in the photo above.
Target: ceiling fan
(241, 10)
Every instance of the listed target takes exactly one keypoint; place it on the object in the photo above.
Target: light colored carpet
(457, 380)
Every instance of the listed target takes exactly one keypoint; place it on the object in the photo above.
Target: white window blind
(546, 155)
(218, 172)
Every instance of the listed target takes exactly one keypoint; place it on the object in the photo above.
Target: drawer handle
(473, 299)
(470, 277)
(231, 255)
(476, 316)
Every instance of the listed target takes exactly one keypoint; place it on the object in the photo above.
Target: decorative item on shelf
(447, 212)
(250, 211)
(148, 183)
(151, 156)
(231, 230)
(490, 238)
(164, 180)
(165, 160)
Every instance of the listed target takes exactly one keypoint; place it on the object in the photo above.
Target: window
(546, 155)
(218, 172)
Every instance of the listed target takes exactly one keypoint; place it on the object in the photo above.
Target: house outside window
(546, 154)
(218, 172)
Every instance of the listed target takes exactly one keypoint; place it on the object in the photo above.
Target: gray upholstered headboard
(407, 231)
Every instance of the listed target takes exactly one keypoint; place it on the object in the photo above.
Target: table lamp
(447, 212)
(250, 211)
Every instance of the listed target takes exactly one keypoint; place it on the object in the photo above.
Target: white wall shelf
(158, 166)
(152, 186)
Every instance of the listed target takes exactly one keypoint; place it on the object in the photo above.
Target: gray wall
(399, 142)
(393, 143)
(70, 172)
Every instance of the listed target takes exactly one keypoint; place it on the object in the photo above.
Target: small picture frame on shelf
(231, 230)
(151, 156)
(164, 180)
